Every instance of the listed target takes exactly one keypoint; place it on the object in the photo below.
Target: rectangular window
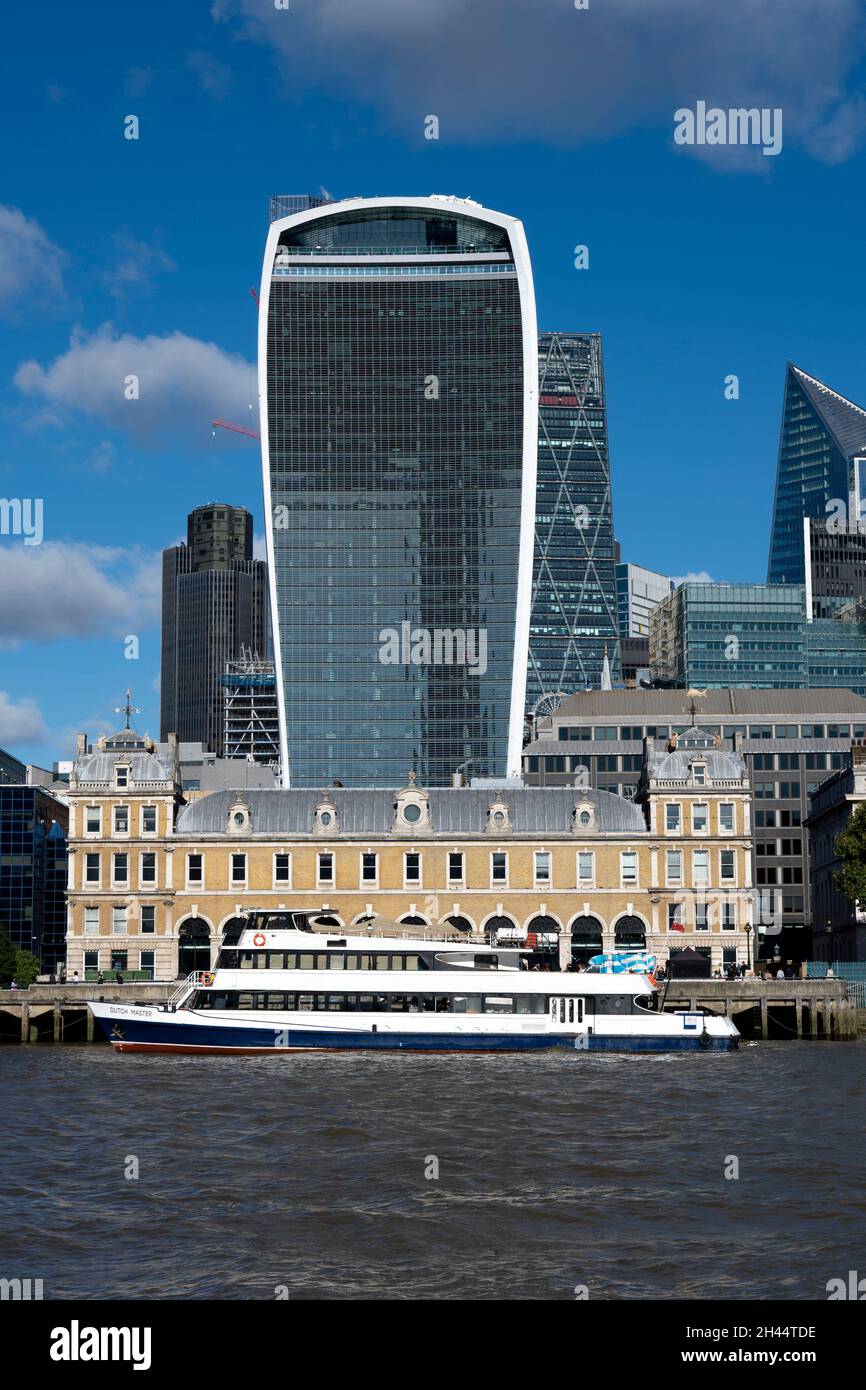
(91, 921)
(121, 820)
(282, 868)
(499, 867)
(542, 867)
(120, 868)
(702, 917)
(148, 919)
(118, 921)
(673, 866)
(119, 960)
(91, 868)
(93, 820)
(455, 868)
(729, 916)
(91, 960)
(146, 959)
(325, 868)
(699, 774)
(726, 866)
(194, 869)
(675, 916)
(586, 868)
(239, 868)
(700, 868)
(673, 816)
(148, 820)
(121, 776)
(148, 869)
(412, 867)
(628, 867)
(726, 818)
(369, 868)
(700, 817)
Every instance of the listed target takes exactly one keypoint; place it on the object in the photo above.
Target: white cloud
(59, 590)
(548, 70)
(693, 577)
(214, 78)
(31, 266)
(183, 383)
(20, 722)
(135, 266)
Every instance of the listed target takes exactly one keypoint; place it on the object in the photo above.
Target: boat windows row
(451, 1003)
(321, 960)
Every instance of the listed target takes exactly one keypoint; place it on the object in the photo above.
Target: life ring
(705, 1040)
(206, 978)
(259, 939)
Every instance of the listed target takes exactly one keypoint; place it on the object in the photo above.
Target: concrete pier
(771, 1008)
(59, 1013)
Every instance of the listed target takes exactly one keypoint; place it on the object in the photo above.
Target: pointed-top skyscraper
(823, 437)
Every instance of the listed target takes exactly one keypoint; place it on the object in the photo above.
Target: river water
(315, 1176)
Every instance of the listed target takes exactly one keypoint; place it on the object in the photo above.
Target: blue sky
(121, 256)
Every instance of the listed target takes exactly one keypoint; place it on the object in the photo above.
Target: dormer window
(411, 808)
(699, 774)
(239, 822)
(584, 817)
(498, 818)
(121, 776)
(326, 822)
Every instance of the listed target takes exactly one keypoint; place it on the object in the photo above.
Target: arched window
(587, 938)
(629, 934)
(193, 947)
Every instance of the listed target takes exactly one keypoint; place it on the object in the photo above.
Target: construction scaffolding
(251, 722)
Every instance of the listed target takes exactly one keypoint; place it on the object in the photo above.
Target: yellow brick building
(156, 872)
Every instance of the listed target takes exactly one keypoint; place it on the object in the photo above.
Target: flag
(677, 926)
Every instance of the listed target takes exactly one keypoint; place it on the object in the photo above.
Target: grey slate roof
(674, 767)
(370, 811)
(99, 767)
(671, 706)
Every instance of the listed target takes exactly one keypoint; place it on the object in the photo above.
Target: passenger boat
(281, 986)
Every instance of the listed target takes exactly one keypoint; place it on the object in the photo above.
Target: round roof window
(412, 812)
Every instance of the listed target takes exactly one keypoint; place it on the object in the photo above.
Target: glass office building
(574, 608)
(33, 830)
(822, 435)
(214, 609)
(398, 388)
(748, 635)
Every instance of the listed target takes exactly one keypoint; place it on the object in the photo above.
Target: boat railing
(183, 990)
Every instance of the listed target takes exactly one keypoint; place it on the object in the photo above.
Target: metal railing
(184, 989)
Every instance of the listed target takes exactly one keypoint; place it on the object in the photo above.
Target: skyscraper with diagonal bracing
(574, 601)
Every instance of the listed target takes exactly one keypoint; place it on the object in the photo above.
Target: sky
(123, 257)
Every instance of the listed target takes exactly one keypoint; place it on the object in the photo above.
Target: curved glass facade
(394, 443)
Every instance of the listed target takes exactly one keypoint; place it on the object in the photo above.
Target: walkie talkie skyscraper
(398, 389)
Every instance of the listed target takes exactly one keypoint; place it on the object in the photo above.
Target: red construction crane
(237, 429)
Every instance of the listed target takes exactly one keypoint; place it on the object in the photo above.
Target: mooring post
(90, 1034)
(813, 1017)
(798, 1006)
(58, 1022)
(764, 1018)
(25, 1022)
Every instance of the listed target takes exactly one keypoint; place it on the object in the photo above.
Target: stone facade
(156, 873)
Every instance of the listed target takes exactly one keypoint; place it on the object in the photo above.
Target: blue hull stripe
(134, 1035)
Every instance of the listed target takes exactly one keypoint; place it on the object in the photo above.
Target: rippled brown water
(554, 1171)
